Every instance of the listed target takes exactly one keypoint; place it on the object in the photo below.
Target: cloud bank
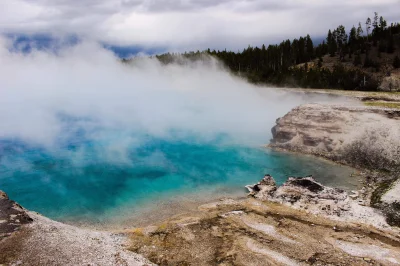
(187, 24)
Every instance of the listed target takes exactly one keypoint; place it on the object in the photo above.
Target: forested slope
(356, 59)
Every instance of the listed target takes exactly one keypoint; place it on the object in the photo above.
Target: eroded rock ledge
(359, 136)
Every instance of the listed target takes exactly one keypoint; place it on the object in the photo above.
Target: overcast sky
(187, 24)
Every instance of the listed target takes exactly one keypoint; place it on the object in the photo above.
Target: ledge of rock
(360, 136)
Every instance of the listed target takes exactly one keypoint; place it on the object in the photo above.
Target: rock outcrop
(364, 137)
(307, 194)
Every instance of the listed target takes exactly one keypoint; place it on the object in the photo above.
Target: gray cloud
(181, 5)
(187, 24)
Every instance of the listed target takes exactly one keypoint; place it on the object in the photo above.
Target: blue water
(89, 180)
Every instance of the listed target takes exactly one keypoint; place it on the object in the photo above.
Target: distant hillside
(366, 57)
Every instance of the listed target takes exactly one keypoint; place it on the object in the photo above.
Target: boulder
(3, 195)
(263, 189)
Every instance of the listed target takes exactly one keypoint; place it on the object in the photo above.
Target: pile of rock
(303, 192)
(307, 194)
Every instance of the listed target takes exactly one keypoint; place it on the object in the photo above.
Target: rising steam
(48, 99)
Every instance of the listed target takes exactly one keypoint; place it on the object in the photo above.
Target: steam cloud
(48, 98)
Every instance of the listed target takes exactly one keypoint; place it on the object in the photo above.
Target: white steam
(89, 83)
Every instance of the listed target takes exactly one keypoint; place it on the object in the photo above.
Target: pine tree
(352, 40)
(359, 31)
(302, 50)
(375, 31)
(319, 64)
(341, 39)
(309, 47)
(368, 26)
(331, 42)
(367, 61)
(390, 46)
(396, 62)
(375, 24)
(341, 36)
(382, 24)
(357, 60)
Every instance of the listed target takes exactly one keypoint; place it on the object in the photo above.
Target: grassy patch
(383, 187)
(395, 105)
(393, 217)
(377, 95)
(138, 231)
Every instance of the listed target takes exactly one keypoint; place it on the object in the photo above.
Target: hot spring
(76, 183)
(87, 139)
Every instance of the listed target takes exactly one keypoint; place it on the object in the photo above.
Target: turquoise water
(90, 180)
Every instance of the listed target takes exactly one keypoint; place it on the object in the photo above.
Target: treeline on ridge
(354, 58)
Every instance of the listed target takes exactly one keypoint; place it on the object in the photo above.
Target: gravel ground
(54, 243)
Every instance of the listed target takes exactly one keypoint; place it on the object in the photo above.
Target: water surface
(85, 182)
